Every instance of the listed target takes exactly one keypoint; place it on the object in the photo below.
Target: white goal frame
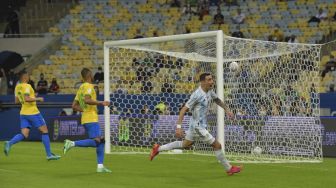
(219, 74)
(254, 50)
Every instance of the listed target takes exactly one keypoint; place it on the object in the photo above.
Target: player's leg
(100, 150)
(84, 143)
(222, 159)
(176, 145)
(17, 138)
(186, 143)
(94, 132)
(68, 144)
(170, 146)
(38, 121)
(206, 137)
(220, 155)
(95, 140)
(25, 128)
(46, 143)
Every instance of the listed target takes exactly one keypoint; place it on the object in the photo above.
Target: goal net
(273, 94)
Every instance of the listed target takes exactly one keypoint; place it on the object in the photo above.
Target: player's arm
(17, 101)
(90, 101)
(224, 106)
(193, 100)
(76, 107)
(27, 98)
(179, 131)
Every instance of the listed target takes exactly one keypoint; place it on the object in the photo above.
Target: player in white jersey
(198, 104)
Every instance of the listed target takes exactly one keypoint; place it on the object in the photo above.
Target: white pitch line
(265, 164)
(5, 170)
(297, 167)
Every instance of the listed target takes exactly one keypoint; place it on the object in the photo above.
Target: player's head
(206, 80)
(86, 75)
(24, 76)
(42, 76)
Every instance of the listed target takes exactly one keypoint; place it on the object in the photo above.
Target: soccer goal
(273, 93)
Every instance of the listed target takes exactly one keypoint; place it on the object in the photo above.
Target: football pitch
(27, 167)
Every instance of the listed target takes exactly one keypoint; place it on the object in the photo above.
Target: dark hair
(85, 72)
(204, 75)
(21, 73)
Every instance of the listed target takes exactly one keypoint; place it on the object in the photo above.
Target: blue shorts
(93, 129)
(36, 120)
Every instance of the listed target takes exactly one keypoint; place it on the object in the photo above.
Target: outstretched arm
(90, 101)
(224, 106)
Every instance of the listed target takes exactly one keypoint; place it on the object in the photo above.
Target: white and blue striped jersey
(198, 105)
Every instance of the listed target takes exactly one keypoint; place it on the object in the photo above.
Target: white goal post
(273, 94)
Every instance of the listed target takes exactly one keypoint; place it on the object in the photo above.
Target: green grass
(27, 167)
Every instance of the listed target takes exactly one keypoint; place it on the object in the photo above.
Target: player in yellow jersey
(29, 116)
(86, 102)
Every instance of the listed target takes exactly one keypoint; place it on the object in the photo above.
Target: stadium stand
(90, 23)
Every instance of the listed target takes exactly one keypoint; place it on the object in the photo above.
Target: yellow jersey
(90, 112)
(27, 108)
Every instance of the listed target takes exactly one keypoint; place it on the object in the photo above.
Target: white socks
(223, 160)
(170, 146)
(100, 166)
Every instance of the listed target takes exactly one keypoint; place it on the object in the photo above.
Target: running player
(198, 104)
(29, 116)
(86, 102)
